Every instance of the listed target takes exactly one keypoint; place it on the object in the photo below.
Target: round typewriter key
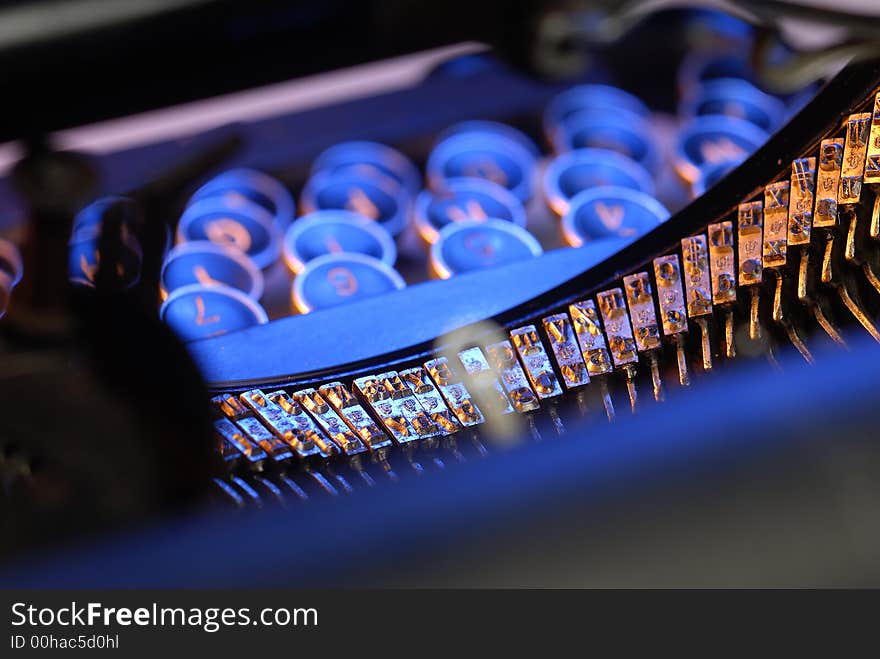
(377, 197)
(601, 98)
(334, 232)
(611, 212)
(466, 246)
(88, 222)
(622, 132)
(735, 98)
(84, 259)
(582, 169)
(465, 199)
(84, 256)
(712, 173)
(254, 186)
(236, 223)
(483, 156)
(206, 263)
(335, 279)
(713, 139)
(700, 67)
(369, 159)
(477, 126)
(199, 312)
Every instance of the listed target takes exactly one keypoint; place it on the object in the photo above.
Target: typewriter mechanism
(468, 285)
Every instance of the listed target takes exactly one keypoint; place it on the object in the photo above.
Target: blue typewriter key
(491, 127)
(199, 312)
(622, 132)
(712, 139)
(611, 212)
(370, 159)
(334, 232)
(712, 173)
(465, 199)
(700, 67)
(467, 246)
(254, 186)
(484, 156)
(335, 279)
(236, 223)
(83, 254)
(582, 169)
(87, 223)
(377, 197)
(206, 263)
(601, 98)
(84, 259)
(735, 98)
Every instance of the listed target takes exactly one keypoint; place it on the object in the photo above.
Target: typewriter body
(577, 296)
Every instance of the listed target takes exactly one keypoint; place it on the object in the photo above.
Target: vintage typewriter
(519, 294)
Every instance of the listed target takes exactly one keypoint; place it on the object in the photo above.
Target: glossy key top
(732, 97)
(374, 195)
(84, 260)
(334, 232)
(468, 246)
(209, 264)
(582, 169)
(484, 156)
(622, 132)
(198, 312)
(252, 185)
(464, 199)
(492, 127)
(87, 223)
(119, 216)
(703, 66)
(711, 173)
(370, 159)
(610, 212)
(335, 279)
(714, 139)
(602, 98)
(233, 222)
